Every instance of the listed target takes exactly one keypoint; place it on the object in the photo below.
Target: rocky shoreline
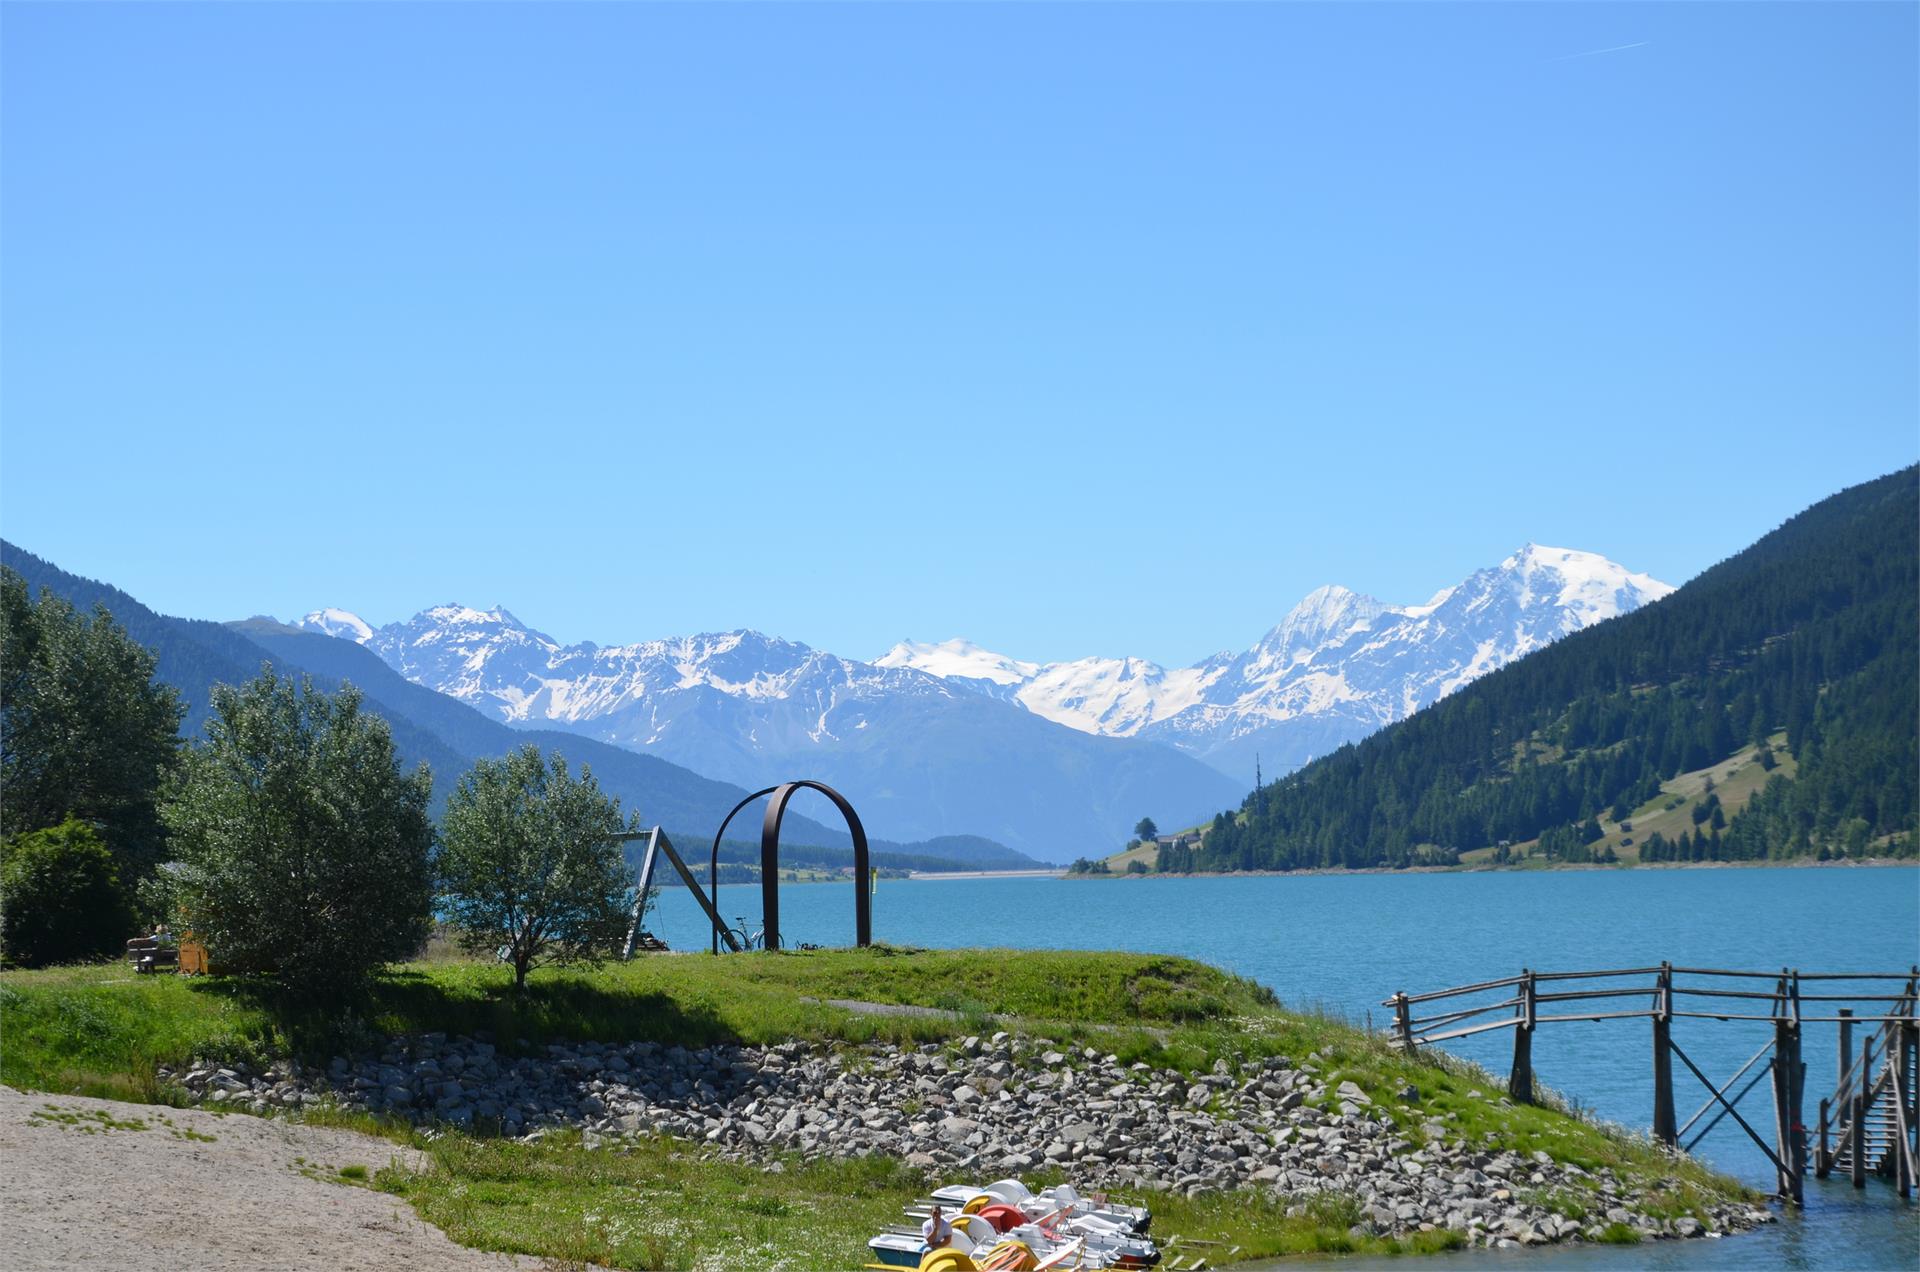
(987, 1107)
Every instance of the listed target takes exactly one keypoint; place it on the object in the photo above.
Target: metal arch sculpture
(713, 861)
(770, 861)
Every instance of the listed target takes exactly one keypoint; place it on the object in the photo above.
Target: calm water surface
(1345, 942)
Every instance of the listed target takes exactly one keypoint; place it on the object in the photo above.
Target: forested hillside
(1810, 633)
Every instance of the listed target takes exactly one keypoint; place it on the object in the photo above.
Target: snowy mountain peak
(1583, 583)
(1338, 666)
(957, 658)
(344, 624)
(454, 614)
(1326, 613)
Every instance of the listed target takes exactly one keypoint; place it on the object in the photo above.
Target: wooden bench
(149, 954)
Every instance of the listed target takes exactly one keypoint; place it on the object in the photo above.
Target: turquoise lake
(1345, 942)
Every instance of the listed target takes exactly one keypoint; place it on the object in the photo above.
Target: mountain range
(193, 655)
(918, 757)
(1052, 759)
(1339, 666)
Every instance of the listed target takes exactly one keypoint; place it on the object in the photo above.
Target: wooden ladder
(1871, 1116)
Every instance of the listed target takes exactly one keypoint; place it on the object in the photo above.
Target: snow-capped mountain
(1337, 667)
(338, 622)
(919, 756)
(1055, 759)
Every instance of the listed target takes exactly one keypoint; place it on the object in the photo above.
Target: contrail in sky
(1618, 48)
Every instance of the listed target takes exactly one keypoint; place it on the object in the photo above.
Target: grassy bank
(99, 1031)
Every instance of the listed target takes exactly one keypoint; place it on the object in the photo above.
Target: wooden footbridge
(1867, 1126)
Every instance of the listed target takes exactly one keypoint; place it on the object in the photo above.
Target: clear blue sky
(1074, 329)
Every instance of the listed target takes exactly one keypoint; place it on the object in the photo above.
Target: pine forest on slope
(1799, 655)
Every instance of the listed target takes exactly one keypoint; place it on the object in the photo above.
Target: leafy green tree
(306, 851)
(1145, 831)
(60, 897)
(531, 865)
(84, 730)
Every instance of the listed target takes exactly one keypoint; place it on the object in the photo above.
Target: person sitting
(936, 1230)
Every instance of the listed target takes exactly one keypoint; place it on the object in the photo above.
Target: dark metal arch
(713, 864)
(770, 862)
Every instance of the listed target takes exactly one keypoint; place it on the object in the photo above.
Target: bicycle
(742, 938)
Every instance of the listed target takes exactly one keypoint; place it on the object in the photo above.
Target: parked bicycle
(743, 938)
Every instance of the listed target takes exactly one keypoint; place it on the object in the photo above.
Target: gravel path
(100, 1184)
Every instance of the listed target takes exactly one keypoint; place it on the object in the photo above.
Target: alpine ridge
(920, 757)
(1339, 666)
(952, 737)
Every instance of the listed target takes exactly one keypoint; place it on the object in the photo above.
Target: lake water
(1345, 942)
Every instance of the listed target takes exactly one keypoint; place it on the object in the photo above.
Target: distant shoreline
(1797, 863)
(1045, 872)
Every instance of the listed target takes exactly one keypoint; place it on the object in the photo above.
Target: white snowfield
(1337, 667)
(338, 622)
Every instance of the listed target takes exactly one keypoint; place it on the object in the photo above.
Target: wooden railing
(1871, 1111)
(1667, 993)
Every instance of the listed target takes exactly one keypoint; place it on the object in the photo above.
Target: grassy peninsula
(666, 1202)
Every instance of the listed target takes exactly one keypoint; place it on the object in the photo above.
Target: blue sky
(1073, 329)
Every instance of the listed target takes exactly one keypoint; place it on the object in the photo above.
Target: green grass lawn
(101, 1031)
(657, 1204)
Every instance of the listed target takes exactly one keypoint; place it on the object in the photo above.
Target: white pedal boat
(1027, 1246)
(1101, 1243)
(1061, 1197)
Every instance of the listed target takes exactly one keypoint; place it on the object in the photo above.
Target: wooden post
(1842, 1114)
(1789, 1146)
(1902, 1168)
(1910, 1048)
(1782, 1182)
(1823, 1156)
(1907, 1038)
(1797, 1095)
(1857, 1146)
(1520, 1080)
(1898, 1167)
(1403, 1022)
(1664, 1121)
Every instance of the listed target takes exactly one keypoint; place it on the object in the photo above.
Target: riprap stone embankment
(985, 1107)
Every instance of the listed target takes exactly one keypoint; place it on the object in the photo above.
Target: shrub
(532, 864)
(306, 851)
(60, 897)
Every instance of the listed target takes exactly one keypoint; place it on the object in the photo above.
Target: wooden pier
(1869, 1124)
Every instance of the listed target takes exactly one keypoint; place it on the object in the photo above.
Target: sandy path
(77, 1193)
